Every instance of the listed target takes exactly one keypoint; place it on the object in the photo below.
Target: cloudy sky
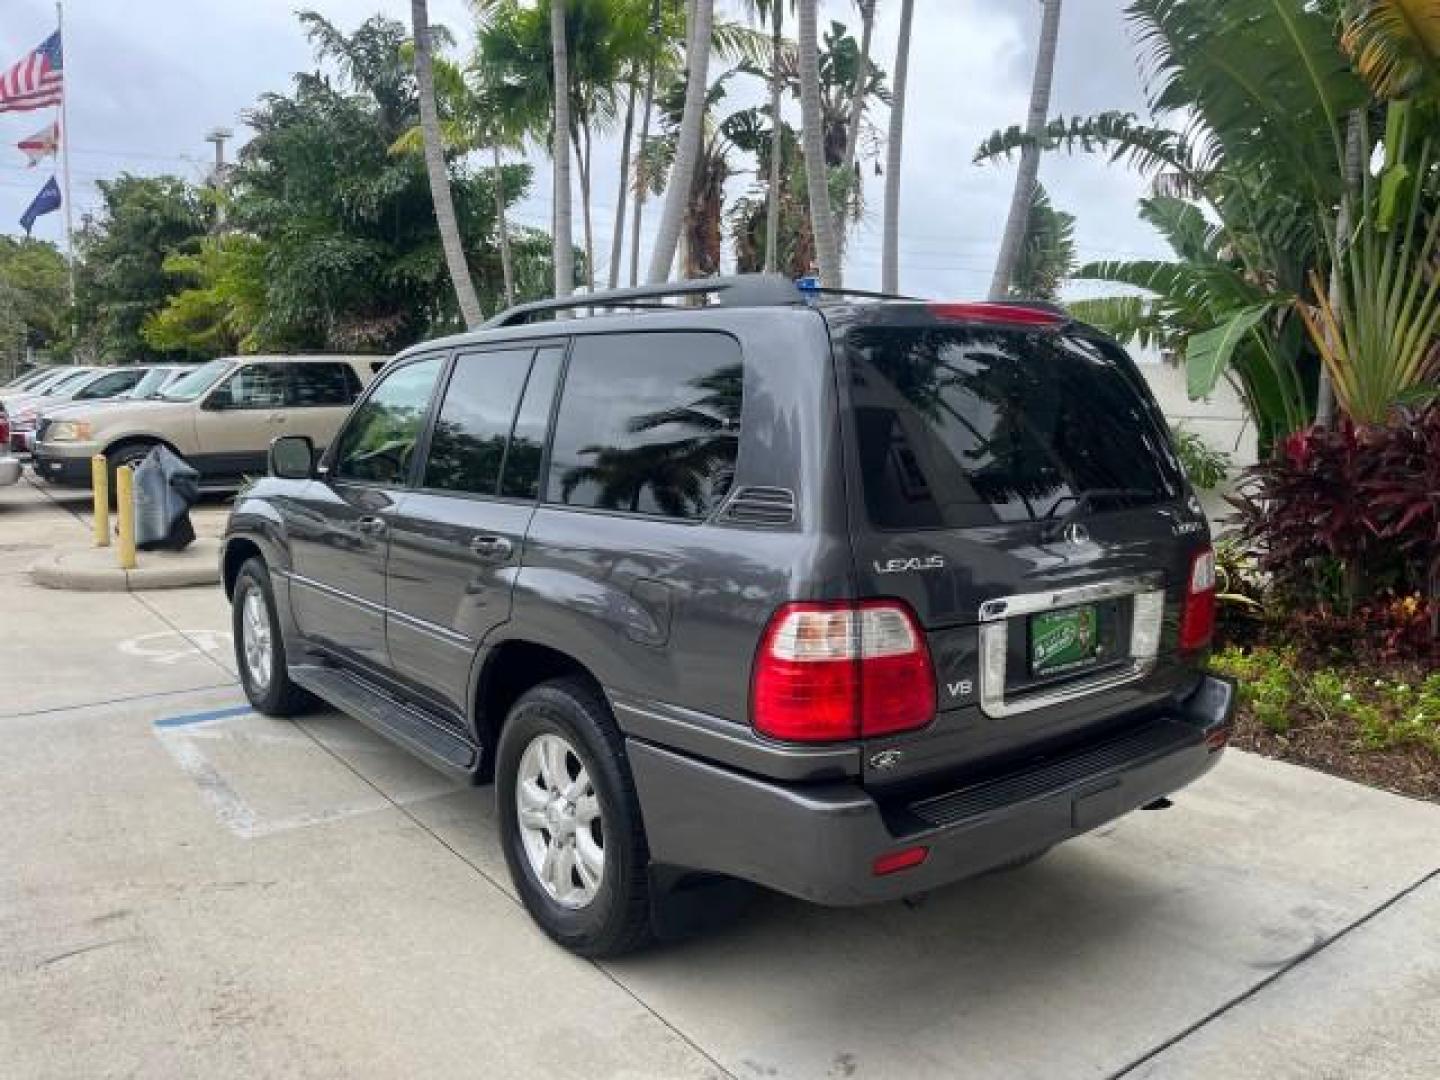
(148, 78)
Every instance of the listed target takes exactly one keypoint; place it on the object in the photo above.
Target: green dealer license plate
(1062, 641)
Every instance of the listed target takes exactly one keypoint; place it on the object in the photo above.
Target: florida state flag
(44, 143)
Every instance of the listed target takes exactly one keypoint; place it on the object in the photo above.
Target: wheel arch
(508, 669)
(140, 438)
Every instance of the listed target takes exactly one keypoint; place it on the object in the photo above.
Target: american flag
(36, 81)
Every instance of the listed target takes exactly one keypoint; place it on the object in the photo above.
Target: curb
(94, 569)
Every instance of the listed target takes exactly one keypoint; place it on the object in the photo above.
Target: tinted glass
(648, 423)
(527, 441)
(962, 427)
(321, 385)
(259, 386)
(468, 445)
(378, 442)
(110, 384)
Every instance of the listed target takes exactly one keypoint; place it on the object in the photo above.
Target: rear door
(456, 542)
(1017, 488)
(318, 396)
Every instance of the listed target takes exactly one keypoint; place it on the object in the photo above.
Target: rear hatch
(1013, 481)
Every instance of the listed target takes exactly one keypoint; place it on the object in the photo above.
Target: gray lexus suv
(844, 595)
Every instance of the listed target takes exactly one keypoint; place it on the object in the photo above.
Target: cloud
(148, 78)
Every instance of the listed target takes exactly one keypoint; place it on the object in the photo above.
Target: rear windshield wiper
(1084, 503)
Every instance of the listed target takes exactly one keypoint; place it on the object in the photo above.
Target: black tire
(617, 919)
(125, 454)
(276, 696)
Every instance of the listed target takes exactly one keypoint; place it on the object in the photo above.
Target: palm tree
(773, 12)
(894, 155)
(436, 168)
(699, 27)
(858, 96)
(817, 179)
(1014, 236)
(560, 149)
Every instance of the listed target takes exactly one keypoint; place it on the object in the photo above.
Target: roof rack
(741, 290)
(744, 290)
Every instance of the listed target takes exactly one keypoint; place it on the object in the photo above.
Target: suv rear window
(965, 426)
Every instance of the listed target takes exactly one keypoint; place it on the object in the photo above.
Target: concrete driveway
(190, 889)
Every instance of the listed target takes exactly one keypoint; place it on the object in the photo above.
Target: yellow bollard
(100, 489)
(125, 511)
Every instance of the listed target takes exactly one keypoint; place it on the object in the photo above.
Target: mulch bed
(1334, 748)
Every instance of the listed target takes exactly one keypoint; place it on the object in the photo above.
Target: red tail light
(827, 672)
(896, 861)
(1197, 621)
(4, 432)
(1007, 314)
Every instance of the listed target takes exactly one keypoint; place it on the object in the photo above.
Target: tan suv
(220, 418)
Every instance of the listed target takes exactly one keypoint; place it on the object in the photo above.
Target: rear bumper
(819, 841)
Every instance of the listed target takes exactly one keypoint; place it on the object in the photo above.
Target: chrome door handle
(371, 526)
(492, 548)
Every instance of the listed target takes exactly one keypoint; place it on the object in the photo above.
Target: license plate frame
(1064, 640)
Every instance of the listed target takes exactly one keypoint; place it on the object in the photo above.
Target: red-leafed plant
(1345, 517)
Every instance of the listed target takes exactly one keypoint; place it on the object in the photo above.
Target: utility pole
(218, 136)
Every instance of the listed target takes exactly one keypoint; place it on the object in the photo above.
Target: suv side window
(378, 442)
(467, 447)
(649, 423)
(255, 386)
(322, 385)
(527, 440)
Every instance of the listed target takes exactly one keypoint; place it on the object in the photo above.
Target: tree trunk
(817, 180)
(502, 227)
(1344, 222)
(439, 174)
(1014, 237)
(857, 108)
(617, 241)
(687, 153)
(582, 166)
(777, 140)
(894, 155)
(560, 145)
(648, 112)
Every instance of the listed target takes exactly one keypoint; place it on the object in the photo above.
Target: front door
(238, 419)
(456, 542)
(339, 525)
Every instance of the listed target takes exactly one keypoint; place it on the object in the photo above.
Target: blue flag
(46, 202)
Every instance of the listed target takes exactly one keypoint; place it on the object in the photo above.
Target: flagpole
(65, 151)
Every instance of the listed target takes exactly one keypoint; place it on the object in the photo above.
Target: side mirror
(292, 457)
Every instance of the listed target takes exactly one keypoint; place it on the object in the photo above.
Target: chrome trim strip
(450, 637)
(1003, 607)
(995, 641)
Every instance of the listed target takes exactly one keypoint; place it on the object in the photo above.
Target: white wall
(1220, 420)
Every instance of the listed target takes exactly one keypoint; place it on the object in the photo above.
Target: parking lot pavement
(195, 890)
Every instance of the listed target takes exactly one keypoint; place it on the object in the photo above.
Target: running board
(404, 724)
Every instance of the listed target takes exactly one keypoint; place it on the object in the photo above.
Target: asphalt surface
(189, 889)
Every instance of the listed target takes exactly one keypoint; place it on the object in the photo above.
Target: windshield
(970, 426)
(151, 382)
(70, 379)
(197, 382)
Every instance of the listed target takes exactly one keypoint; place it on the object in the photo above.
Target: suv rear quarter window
(467, 446)
(649, 423)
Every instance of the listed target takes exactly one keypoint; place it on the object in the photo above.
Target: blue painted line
(201, 717)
